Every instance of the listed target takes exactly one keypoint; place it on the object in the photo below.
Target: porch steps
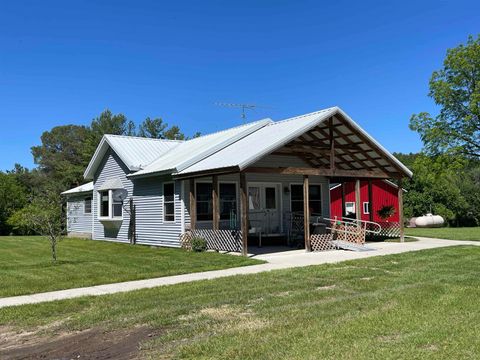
(345, 245)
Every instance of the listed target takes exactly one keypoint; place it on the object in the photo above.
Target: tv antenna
(244, 107)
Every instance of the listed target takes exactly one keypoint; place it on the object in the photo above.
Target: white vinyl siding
(147, 194)
(77, 220)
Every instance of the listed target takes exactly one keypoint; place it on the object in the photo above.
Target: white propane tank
(429, 220)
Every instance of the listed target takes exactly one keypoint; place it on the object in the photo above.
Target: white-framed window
(117, 208)
(87, 205)
(314, 195)
(104, 204)
(349, 207)
(169, 201)
(366, 207)
(109, 207)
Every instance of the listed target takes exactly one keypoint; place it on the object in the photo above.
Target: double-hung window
(228, 201)
(168, 202)
(110, 208)
(104, 203)
(87, 205)
(314, 195)
(204, 201)
(227, 198)
(117, 210)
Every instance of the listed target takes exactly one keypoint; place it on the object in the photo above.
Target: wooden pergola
(336, 149)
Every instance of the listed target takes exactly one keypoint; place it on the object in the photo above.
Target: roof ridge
(142, 138)
(305, 115)
(231, 128)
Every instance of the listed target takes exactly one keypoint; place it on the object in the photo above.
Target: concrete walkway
(275, 261)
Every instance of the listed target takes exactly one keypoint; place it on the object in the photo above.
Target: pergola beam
(320, 172)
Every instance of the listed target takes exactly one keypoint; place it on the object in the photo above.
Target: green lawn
(461, 233)
(26, 266)
(420, 305)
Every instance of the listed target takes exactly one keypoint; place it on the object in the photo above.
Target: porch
(282, 190)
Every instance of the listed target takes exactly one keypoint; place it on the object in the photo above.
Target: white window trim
(110, 216)
(354, 207)
(174, 203)
(313, 183)
(205, 181)
(368, 207)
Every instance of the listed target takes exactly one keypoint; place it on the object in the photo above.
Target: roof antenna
(244, 107)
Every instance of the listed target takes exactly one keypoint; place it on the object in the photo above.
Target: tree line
(61, 159)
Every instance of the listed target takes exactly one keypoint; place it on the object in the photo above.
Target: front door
(264, 208)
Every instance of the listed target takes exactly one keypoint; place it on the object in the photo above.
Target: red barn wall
(383, 194)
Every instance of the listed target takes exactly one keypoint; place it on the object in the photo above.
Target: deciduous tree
(43, 216)
(456, 90)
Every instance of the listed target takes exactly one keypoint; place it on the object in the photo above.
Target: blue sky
(63, 62)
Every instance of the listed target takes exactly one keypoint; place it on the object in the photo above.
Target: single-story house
(375, 195)
(233, 183)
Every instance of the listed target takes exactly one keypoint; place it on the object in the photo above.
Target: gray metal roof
(260, 143)
(243, 145)
(274, 135)
(88, 187)
(197, 149)
(135, 152)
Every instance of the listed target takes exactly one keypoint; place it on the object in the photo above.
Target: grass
(26, 266)
(421, 305)
(460, 233)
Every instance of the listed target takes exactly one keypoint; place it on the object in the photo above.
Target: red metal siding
(383, 194)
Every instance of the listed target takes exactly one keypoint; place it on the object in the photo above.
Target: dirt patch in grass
(88, 344)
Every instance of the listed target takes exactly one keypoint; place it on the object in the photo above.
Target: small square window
(366, 207)
(349, 208)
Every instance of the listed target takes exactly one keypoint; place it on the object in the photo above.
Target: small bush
(199, 244)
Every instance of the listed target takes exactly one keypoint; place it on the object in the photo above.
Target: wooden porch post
(370, 200)
(343, 200)
(193, 205)
(357, 200)
(400, 210)
(244, 213)
(215, 203)
(306, 213)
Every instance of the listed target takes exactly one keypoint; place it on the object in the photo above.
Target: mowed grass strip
(26, 266)
(416, 305)
(460, 233)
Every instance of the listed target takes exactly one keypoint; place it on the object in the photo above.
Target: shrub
(386, 212)
(199, 244)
